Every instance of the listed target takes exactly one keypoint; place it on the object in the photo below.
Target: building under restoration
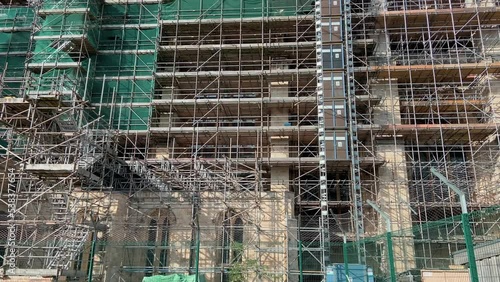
(244, 140)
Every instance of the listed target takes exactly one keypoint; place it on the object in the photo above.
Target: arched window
(94, 248)
(165, 239)
(237, 231)
(230, 242)
(158, 240)
(150, 254)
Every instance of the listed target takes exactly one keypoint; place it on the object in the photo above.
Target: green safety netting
(46, 53)
(133, 65)
(4, 143)
(14, 72)
(93, 5)
(174, 278)
(14, 64)
(128, 39)
(127, 118)
(125, 64)
(16, 17)
(125, 90)
(122, 91)
(14, 42)
(190, 9)
(56, 80)
(130, 14)
(72, 25)
(194, 9)
(143, 37)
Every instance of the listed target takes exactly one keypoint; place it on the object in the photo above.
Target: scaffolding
(243, 140)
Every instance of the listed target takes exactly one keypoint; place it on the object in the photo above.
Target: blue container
(357, 273)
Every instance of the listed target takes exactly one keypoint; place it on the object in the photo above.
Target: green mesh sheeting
(174, 278)
(56, 81)
(14, 42)
(130, 14)
(4, 144)
(127, 118)
(45, 53)
(14, 72)
(135, 71)
(93, 5)
(125, 90)
(14, 65)
(122, 91)
(128, 39)
(194, 9)
(125, 65)
(16, 17)
(70, 25)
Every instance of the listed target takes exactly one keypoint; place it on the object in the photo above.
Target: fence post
(90, 270)
(469, 244)
(346, 261)
(301, 275)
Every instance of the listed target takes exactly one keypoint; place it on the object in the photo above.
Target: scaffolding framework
(242, 139)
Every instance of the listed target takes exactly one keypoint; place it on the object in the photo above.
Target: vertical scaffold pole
(353, 131)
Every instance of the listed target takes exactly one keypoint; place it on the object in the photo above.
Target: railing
(234, 151)
(229, 93)
(251, 10)
(15, 43)
(425, 58)
(213, 64)
(109, 68)
(93, 5)
(55, 83)
(235, 121)
(116, 43)
(272, 37)
(21, 17)
(53, 154)
(75, 29)
(398, 5)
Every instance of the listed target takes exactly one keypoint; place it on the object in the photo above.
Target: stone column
(279, 114)
(117, 235)
(487, 159)
(485, 3)
(381, 5)
(279, 204)
(392, 194)
(487, 42)
(164, 151)
(388, 111)
(393, 197)
(280, 175)
(279, 148)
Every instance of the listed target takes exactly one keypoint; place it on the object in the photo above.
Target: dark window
(327, 60)
(230, 239)
(150, 254)
(165, 237)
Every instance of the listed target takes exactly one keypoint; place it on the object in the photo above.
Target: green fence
(430, 246)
